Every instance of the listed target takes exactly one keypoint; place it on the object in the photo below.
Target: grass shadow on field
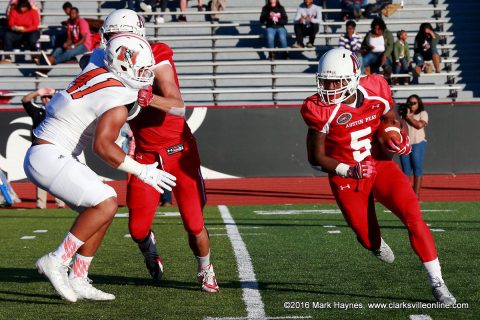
(34, 296)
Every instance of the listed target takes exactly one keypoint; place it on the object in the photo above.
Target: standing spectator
(183, 8)
(216, 5)
(353, 8)
(275, 18)
(307, 23)
(23, 24)
(351, 40)
(151, 6)
(79, 40)
(37, 113)
(425, 48)
(377, 48)
(416, 118)
(401, 56)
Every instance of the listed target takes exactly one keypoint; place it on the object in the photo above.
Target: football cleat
(384, 253)
(208, 280)
(56, 273)
(155, 267)
(442, 294)
(84, 290)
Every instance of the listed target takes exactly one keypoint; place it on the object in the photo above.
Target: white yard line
(27, 238)
(437, 230)
(243, 234)
(420, 317)
(288, 212)
(266, 318)
(334, 231)
(40, 231)
(251, 293)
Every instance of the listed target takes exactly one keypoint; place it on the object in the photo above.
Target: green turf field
(301, 270)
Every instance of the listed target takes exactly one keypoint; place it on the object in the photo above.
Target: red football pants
(142, 199)
(391, 188)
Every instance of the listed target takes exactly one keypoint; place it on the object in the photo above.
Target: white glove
(157, 178)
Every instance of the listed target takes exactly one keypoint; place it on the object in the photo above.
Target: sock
(434, 271)
(67, 248)
(148, 246)
(203, 262)
(81, 264)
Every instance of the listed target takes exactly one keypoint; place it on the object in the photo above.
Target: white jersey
(72, 114)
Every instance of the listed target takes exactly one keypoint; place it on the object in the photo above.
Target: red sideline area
(293, 190)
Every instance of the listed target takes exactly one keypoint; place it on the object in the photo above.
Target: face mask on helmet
(337, 77)
(130, 58)
(122, 21)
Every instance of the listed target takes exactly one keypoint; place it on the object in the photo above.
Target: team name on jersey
(361, 121)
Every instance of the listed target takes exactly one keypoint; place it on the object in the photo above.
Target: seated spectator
(401, 57)
(216, 5)
(377, 49)
(183, 8)
(23, 24)
(151, 6)
(12, 4)
(79, 41)
(351, 40)
(352, 8)
(275, 18)
(307, 23)
(425, 49)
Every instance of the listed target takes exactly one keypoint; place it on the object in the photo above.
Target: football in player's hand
(389, 129)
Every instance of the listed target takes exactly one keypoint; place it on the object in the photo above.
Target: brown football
(389, 129)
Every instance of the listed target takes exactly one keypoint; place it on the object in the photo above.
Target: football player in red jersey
(162, 134)
(342, 119)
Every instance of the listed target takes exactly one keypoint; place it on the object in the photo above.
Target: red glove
(403, 148)
(364, 169)
(145, 96)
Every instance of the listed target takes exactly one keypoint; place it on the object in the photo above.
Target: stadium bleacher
(226, 62)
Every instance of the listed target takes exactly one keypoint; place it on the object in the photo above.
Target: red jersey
(154, 128)
(350, 130)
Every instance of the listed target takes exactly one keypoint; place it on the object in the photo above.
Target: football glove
(158, 179)
(145, 96)
(397, 147)
(364, 169)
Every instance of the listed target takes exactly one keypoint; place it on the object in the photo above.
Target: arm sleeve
(34, 22)
(316, 117)
(424, 116)
(298, 15)
(263, 15)
(318, 18)
(284, 17)
(342, 41)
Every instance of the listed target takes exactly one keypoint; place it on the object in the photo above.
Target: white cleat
(208, 280)
(384, 253)
(441, 293)
(56, 273)
(84, 290)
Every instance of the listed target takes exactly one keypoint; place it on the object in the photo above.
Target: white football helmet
(130, 58)
(121, 21)
(338, 64)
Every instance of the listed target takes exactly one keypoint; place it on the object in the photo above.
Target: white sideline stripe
(222, 228)
(251, 294)
(40, 231)
(437, 230)
(243, 234)
(334, 231)
(432, 210)
(127, 236)
(420, 317)
(157, 214)
(27, 238)
(286, 212)
(329, 226)
(266, 318)
(121, 215)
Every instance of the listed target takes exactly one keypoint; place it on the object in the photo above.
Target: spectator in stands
(183, 8)
(352, 8)
(401, 57)
(425, 49)
(416, 118)
(67, 6)
(377, 48)
(37, 113)
(307, 23)
(12, 4)
(151, 6)
(216, 5)
(351, 40)
(79, 41)
(23, 26)
(275, 18)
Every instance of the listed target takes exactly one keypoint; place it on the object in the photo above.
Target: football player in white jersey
(93, 107)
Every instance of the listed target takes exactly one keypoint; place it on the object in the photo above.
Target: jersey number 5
(76, 91)
(361, 144)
